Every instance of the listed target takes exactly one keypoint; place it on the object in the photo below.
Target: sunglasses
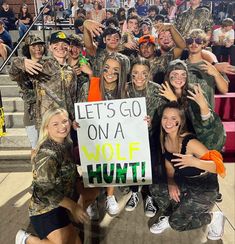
(190, 41)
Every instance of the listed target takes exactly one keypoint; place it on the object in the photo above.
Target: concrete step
(10, 90)
(13, 104)
(14, 119)
(15, 139)
(6, 80)
(15, 160)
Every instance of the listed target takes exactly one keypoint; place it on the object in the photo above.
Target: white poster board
(113, 142)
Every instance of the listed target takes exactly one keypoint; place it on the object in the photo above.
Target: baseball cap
(147, 38)
(59, 36)
(33, 39)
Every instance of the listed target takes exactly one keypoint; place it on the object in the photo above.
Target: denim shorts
(45, 223)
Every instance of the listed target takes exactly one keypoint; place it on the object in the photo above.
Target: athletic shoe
(219, 197)
(149, 209)
(161, 225)
(112, 205)
(216, 227)
(133, 202)
(93, 211)
(21, 237)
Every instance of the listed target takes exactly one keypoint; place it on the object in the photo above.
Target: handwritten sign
(113, 142)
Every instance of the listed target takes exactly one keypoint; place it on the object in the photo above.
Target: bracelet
(206, 116)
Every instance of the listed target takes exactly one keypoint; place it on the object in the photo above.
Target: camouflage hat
(76, 40)
(33, 39)
(59, 36)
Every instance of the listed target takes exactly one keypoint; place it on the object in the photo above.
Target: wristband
(206, 116)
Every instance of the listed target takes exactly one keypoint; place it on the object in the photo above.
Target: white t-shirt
(229, 35)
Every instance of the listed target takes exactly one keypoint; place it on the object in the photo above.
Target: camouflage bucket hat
(33, 39)
(59, 36)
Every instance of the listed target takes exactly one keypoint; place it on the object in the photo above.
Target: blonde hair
(198, 33)
(43, 134)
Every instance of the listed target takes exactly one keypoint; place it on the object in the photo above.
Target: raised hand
(167, 92)
(32, 67)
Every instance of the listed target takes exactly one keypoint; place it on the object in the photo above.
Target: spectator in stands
(112, 4)
(190, 185)
(199, 68)
(146, 26)
(195, 17)
(8, 16)
(147, 47)
(165, 42)
(165, 9)
(131, 12)
(5, 42)
(59, 9)
(74, 7)
(129, 4)
(78, 62)
(231, 11)
(24, 20)
(158, 3)
(153, 11)
(22, 70)
(98, 14)
(78, 26)
(88, 6)
(121, 16)
(223, 41)
(172, 9)
(109, 14)
(142, 7)
(56, 185)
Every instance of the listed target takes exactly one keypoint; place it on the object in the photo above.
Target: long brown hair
(182, 127)
(122, 76)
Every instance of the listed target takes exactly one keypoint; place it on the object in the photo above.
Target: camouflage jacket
(56, 86)
(151, 93)
(210, 132)
(24, 80)
(54, 176)
(199, 18)
(207, 82)
(160, 64)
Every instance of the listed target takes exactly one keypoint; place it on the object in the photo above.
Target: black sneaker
(219, 197)
(149, 209)
(133, 202)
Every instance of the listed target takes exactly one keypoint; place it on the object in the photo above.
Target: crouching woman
(54, 185)
(191, 182)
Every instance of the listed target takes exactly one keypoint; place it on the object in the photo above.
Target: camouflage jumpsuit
(199, 18)
(56, 86)
(54, 177)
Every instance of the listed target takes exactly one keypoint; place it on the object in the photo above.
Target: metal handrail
(26, 33)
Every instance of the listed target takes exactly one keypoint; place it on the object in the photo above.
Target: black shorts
(44, 224)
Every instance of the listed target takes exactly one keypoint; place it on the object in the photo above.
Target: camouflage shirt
(24, 80)
(56, 86)
(199, 18)
(207, 82)
(151, 93)
(160, 64)
(54, 177)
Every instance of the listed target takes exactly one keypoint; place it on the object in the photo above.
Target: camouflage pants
(197, 198)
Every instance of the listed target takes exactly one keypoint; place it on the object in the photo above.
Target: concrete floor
(127, 228)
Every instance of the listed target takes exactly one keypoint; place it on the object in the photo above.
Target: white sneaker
(132, 202)
(21, 237)
(149, 209)
(216, 227)
(161, 225)
(93, 211)
(112, 205)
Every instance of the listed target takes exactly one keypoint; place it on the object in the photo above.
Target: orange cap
(147, 38)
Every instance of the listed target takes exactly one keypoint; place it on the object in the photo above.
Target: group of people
(186, 136)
